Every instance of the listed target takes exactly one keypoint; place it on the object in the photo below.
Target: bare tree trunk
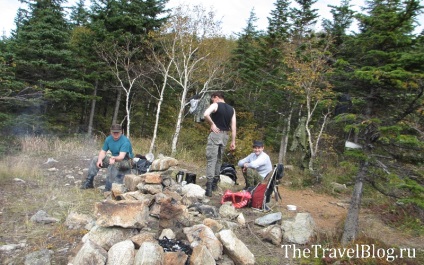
(285, 139)
(93, 107)
(116, 110)
(315, 148)
(128, 112)
(179, 121)
(351, 224)
(160, 101)
(165, 72)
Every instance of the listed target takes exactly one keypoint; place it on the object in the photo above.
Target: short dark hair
(219, 94)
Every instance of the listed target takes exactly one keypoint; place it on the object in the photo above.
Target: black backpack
(229, 171)
(279, 171)
(142, 166)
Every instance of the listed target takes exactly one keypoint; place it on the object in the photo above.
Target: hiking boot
(209, 188)
(215, 181)
(88, 184)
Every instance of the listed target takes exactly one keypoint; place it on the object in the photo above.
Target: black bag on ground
(229, 171)
(142, 165)
(279, 173)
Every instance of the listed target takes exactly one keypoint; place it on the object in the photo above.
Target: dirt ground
(65, 176)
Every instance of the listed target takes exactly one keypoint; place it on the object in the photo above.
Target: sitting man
(256, 166)
(118, 162)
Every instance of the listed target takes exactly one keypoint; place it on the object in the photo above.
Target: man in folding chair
(258, 171)
(256, 166)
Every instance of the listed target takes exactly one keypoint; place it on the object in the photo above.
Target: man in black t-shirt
(222, 118)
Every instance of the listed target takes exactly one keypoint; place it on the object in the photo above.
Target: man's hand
(233, 146)
(245, 166)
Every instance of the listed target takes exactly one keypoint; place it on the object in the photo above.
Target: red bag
(238, 199)
(258, 196)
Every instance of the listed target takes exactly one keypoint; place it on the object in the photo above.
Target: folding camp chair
(262, 193)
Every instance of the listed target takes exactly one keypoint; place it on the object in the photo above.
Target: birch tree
(309, 68)
(162, 63)
(123, 62)
(192, 43)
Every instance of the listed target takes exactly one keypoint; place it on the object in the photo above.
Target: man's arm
(243, 161)
(102, 155)
(233, 131)
(121, 156)
(207, 115)
(261, 160)
(123, 151)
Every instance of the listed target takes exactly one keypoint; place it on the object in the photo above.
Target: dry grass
(27, 186)
(55, 146)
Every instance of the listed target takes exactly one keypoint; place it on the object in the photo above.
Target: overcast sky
(233, 13)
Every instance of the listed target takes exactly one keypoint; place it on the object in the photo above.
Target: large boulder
(127, 214)
(300, 230)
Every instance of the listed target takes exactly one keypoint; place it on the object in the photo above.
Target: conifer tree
(342, 19)
(278, 105)
(246, 62)
(118, 23)
(79, 14)
(45, 62)
(386, 83)
(303, 18)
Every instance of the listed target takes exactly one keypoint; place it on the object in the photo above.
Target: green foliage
(396, 134)
(247, 132)
(344, 173)
(417, 191)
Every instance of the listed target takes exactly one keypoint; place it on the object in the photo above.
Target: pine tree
(385, 78)
(342, 19)
(246, 57)
(79, 14)
(303, 18)
(117, 23)
(278, 104)
(45, 62)
(388, 69)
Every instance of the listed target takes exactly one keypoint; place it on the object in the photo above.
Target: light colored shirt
(261, 163)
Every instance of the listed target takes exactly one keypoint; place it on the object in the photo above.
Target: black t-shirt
(222, 116)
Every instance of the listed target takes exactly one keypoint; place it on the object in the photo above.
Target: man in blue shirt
(255, 166)
(118, 161)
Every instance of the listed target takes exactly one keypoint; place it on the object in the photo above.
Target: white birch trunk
(93, 108)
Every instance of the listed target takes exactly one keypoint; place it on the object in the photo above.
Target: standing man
(222, 119)
(118, 162)
(256, 166)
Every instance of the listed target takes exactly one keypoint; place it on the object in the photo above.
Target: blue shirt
(261, 163)
(123, 144)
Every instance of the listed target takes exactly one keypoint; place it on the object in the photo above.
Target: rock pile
(151, 219)
(146, 213)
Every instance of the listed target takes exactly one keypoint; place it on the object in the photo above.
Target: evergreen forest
(318, 98)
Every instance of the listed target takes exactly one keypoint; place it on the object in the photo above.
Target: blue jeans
(214, 150)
